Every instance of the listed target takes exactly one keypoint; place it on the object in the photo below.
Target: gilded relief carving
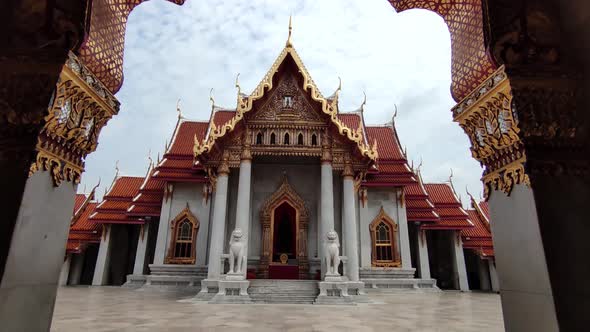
(80, 108)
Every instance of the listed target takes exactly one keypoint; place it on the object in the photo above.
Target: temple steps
(283, 291)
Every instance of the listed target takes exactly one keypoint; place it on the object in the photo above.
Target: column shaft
(76, 268)
(103, 259)
(423, 261)
(243, 204)
(142, 242)
(163, 228)
(459, 261)
(404, 237)
(484, 275)
(65, 271)
(218, 227)
(493, 276)
(326, 206)
(350, 229)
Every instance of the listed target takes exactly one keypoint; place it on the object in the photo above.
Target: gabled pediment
(266, 103)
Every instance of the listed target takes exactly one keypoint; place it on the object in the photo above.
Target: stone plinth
(341, 292)
(232, 291)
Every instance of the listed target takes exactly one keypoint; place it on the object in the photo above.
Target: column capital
(223, 168)
(348, 172)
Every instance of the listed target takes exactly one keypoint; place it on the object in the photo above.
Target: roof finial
(289, 43)
(451, 176)
(211, 98)
(178, 109)
(238, 84)
(420, 165)
(149, 156)
(364, 102)
(116, 168)
(394, 114)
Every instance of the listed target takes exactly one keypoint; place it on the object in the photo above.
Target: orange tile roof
(82, 223)
(184, 137)
(125, 187)
(221, 117)
(418, 204)
(351, 120)
(388, 145)
(447, 206)
(480, 230)
(113, 209)
(78, 201)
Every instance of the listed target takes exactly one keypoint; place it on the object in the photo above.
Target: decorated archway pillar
(326, 198)
(243, 203)
(349, 223)
(528, 126)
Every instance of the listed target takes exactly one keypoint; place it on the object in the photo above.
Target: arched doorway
(284, 219)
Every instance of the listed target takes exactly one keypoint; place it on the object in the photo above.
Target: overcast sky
(174, 52)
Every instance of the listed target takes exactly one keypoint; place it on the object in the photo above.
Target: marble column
(404, 237)
(218, 223)
(365, 234)
(243, 201)
(65, 271)
(484, 275)
(349, 224)
(140, 253)
(459, 261)
(493, 276)
(326, 206)
(423, 261)
(76, 268)
(164, 226)
(36, 249)
(101, 270)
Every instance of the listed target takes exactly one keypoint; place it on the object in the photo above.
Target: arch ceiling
(102, 51)
(470, 62)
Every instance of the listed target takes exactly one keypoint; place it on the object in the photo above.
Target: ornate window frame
(185, 214)
(394, 244)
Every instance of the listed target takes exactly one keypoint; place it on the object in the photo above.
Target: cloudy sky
(181, 52)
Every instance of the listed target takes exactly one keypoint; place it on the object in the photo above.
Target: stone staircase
(283, 291)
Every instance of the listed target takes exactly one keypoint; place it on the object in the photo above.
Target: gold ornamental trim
(80, 107)
(245, 104)
(489, 119)
(506, 178)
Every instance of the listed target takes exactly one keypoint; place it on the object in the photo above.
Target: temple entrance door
(284, 220)
(284, 264)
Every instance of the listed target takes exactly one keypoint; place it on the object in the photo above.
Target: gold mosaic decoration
(488, 118)
(80, 108)
(470, 64)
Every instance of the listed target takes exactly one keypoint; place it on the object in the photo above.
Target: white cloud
(182, 51)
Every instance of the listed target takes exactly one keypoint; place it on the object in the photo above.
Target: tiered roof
(148, 201)
(419, 207)
(392, 166)
(479, 238)
(82, 231)
(113, 209)
(447, 207)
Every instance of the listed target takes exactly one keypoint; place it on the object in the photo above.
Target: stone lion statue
(332, 253)
(237, 259)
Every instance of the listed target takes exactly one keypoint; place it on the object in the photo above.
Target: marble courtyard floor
(120, 309)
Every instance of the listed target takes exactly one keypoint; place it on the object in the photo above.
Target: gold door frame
(287, 194)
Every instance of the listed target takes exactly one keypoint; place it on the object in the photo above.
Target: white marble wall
(266, 179)
(183, 194)
(388, 199)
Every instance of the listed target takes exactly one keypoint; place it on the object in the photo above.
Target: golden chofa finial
(211, 98)
(178, 109)
(289, 43)
(238, 84)
(364, 102)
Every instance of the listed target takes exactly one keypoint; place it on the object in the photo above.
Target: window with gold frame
(183, 238)
(385, 248)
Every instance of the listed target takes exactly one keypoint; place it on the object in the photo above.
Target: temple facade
(281, 187)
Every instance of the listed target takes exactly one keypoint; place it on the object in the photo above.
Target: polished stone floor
(119, 309)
